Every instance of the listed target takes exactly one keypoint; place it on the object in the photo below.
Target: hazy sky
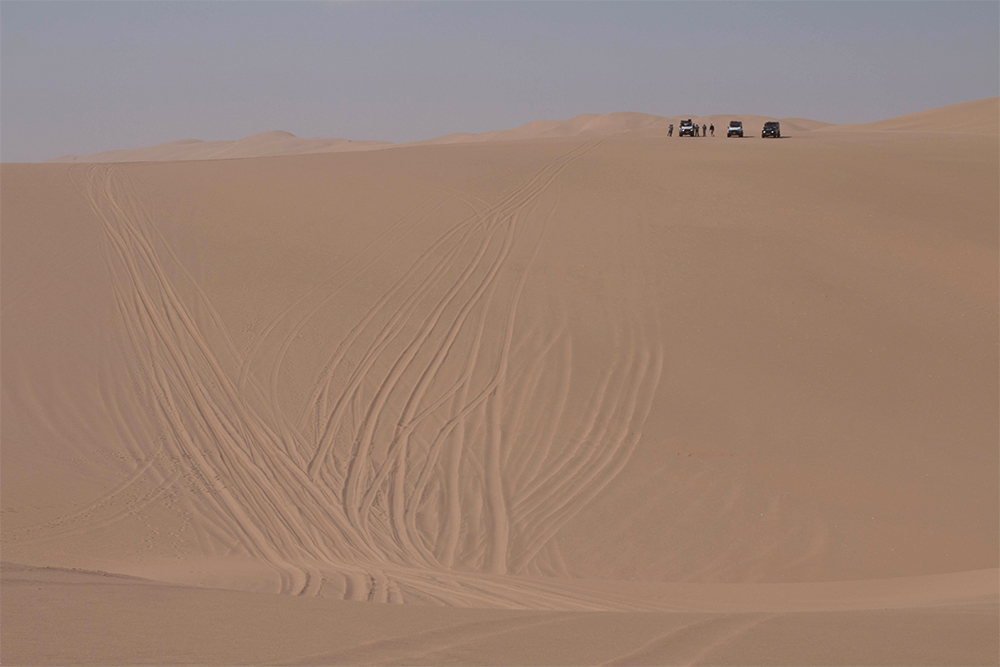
(81, 77)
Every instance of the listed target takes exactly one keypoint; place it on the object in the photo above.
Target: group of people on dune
(702, 132)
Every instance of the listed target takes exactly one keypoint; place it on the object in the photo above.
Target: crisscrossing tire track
(432, 458)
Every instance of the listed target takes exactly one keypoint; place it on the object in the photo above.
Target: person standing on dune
(704, 130)
(711, 128)
(670, 130)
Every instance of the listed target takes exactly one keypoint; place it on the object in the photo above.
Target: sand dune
(802, 125)
(977, 117)
(650, 400)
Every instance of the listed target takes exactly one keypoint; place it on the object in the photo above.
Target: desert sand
(573, 393)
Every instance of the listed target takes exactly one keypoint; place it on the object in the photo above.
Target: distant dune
(584, 125)
(803, 124)
(977, 117)
(265, 144)
(606, 125)
(276, 143)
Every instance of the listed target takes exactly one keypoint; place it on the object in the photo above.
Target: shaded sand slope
(561, 375)
(976, 117)
(39, 626)
(257, 145)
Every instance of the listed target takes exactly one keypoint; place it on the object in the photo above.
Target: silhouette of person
(670, 130)
(711, 128)
(696, 131)
(704, 131)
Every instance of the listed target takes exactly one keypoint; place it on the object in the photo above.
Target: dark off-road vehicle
(687, 128)
(771, 129)
(735, 129)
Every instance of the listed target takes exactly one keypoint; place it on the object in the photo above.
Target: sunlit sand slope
(562, 375)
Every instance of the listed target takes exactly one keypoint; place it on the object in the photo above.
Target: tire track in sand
(418, 408)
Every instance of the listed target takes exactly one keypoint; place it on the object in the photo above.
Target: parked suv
(735, 129)
(771, 129)
(687, 128)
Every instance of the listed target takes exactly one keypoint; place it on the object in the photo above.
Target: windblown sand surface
(592, 397)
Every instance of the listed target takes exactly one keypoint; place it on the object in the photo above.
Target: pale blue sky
(80, 77)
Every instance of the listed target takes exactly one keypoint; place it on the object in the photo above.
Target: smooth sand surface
(978, 117)
(601, 398)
